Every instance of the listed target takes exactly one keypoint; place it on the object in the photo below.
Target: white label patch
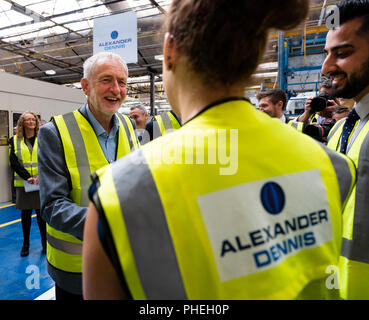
(255, 226)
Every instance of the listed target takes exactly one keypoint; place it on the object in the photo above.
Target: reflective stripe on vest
(334, 135)
(145, 253)
(64, 251)
(296, 125)
(163, 250)
(128, 128)
(343, 174)
(83, 156)
(163, 123)
(158, 225)
(67, 247)
(26, 159)
(313, 118)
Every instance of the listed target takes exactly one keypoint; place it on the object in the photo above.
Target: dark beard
(355, 84)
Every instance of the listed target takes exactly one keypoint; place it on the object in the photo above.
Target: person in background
(162, 124)
(347, 62)
(309, 116)
(318, 124)
(273, 102)
(139, 115)
(340, 112)
(72, 147)
(192, 223)
(23, 161)
(348, 103)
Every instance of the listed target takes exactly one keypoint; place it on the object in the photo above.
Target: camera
(320, 102)
(319, 131)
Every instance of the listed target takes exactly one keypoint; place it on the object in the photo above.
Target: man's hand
(307, 113)
(328, 111)
(31, 180)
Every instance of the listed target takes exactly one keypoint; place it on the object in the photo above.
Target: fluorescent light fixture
(265, 75)
(268, 65)
(257, 87)
(50, 72)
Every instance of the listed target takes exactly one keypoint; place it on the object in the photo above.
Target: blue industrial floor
(21, 278)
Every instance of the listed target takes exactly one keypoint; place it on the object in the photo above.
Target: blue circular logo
(114, 35)
(272, 198)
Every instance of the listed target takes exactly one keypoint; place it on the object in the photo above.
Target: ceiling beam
(297, 32)
(158, 7)
(9, 47)
(59, 14)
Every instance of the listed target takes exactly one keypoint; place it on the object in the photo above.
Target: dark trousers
(26, 227)
(61, 294)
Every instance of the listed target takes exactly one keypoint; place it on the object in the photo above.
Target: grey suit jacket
(57, 208)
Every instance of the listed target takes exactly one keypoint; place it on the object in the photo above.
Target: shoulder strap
(129, 131)
(336, 127)
(345, 172)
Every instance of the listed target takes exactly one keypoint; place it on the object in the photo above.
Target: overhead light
(50, 72)
(27, 12)
(39, 40)
(265, 75)
(268, 65)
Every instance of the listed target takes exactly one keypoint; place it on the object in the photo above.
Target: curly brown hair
(20, 127)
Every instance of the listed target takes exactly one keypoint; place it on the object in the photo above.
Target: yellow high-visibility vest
(354, 260)
(27, 159)
(165, 122)
(83, 156)
(225, 209)
(313, 118)
(334, 135)
(299, 126)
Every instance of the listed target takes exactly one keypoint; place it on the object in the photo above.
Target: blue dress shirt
(107, 141)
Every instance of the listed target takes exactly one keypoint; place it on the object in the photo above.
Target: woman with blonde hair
(23, 161)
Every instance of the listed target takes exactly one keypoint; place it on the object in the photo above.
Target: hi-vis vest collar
(25, 158)
(216, 248)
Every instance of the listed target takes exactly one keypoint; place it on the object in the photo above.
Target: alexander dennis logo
(114, 35)
(115, 43)
(272, 198)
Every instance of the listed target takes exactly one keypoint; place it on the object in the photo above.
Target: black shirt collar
(215, 103)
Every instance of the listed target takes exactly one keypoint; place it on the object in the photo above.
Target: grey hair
(143, 109)
(89, 64)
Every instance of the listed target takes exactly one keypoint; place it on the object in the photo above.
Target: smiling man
(347, 62)
(139, 115)
(71, 147)
(273, 102)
